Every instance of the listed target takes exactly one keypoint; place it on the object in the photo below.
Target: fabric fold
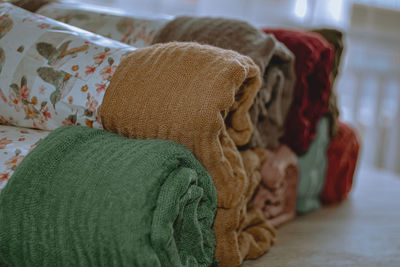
(276, 63)
(314, 57)
(312, 169)
(276, 194)
(95, 198)
(342, 161)
(199, 96)
(335, 38)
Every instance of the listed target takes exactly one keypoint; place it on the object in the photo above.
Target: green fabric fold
(312, 169)
(86, 197)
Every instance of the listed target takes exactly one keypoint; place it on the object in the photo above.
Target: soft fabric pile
(275, 61)
(312, 167)
(199, 96)
(342, 160)
(335, 38)
(314, 57)
(276, 193)
(215, 132)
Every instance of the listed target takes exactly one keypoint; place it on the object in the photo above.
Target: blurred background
(369, 81)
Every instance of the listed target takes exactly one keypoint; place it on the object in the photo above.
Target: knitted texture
(342, 160)
(276, 194)
(93, 198)
(312, 167)
(335, 38)
(199, 96)
(276, 63)
(314, 57)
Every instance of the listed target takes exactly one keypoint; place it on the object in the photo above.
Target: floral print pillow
(15, 144)
(52, 74)
(135, 30)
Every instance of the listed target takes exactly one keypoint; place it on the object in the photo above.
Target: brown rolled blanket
(275, 61)
(335, 38)
(199, 96)
(276, 194)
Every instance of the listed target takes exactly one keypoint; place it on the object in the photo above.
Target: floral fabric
(135, 30)
(15, 144)
(52, 74)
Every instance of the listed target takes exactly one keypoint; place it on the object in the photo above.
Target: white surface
(362, 231)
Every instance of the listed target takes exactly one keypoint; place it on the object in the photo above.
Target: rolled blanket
(132, 29)
(312, 167)
(91, 197)
(342, 160)
(314, 57)
(52, 74)
(276, 63)
(276, 194)
(199, 96)
(335, 38)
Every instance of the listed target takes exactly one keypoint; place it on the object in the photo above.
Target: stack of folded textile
(250, 118)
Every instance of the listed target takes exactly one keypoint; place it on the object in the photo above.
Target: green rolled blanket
(312, 167)
(86, 197)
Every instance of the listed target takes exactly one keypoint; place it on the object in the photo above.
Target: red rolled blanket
(342, 160)
(314, 58)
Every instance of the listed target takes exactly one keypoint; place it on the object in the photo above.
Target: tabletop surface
(362, 231)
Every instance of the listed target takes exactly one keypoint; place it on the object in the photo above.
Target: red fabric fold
(342, 160)
(314, 58)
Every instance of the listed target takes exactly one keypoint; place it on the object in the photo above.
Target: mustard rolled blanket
(199, 96)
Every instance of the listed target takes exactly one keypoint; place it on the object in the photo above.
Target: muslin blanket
(129, 28)
(87, 197)
(335, 38)
(342, 160)
(314, 57)
(312, 167)
(199, 96)
(276, 63)
(276, 194)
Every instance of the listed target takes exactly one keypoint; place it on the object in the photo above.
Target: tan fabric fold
(275, 61)
(276, 194)
(199, 96)
(335, 38)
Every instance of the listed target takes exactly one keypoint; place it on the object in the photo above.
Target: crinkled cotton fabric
(343, 154)
(276, 63)
(91, 197)
(277, 191)
(312, 167)
(314, 58)
(199, 96)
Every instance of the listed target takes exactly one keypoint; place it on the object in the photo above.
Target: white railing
(369, 96)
